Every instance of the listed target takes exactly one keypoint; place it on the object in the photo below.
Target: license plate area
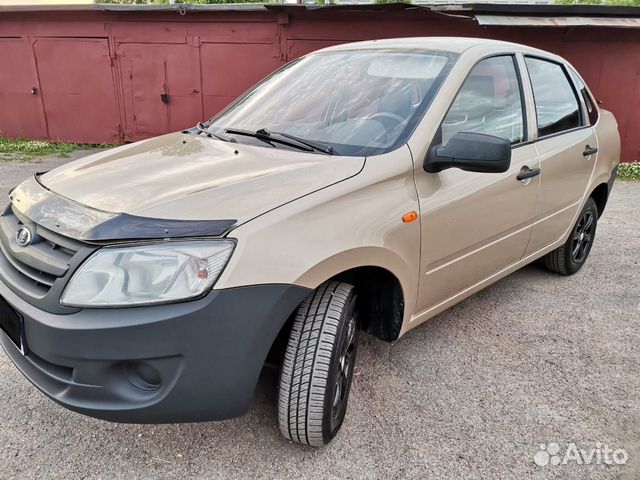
(12, 324)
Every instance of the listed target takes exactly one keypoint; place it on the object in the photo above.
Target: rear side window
(488, 102)
(588, 101)
(557, 107)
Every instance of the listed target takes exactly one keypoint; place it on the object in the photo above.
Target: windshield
(356, 102)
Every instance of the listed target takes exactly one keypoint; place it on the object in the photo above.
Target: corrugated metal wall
(99, 76)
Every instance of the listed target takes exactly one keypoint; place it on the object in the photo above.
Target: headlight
(142, 275)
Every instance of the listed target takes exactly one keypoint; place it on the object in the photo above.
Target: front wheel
(571, 256)
(317, 370)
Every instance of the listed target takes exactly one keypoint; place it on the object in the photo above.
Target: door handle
(589, 151)
(526, 174)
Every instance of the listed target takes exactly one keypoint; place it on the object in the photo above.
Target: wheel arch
(384, 287)
(380, 300)
(600, 195)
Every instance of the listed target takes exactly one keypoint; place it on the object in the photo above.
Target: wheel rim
(582, 237)
(344, 370)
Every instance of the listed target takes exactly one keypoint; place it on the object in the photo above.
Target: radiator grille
(34, 268)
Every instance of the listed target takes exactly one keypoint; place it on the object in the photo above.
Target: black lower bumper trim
(186, 362)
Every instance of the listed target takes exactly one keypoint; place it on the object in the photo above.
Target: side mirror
(473, 152)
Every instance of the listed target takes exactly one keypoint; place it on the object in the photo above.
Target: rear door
(566, 146)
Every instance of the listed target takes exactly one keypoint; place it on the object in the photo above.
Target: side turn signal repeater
(410, 216)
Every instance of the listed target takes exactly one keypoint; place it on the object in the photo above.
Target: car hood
(187, 177)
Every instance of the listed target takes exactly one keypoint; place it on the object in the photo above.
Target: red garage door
(229, 69)
(161, 84)
(77, 89)
(21, 112)
(297, 48)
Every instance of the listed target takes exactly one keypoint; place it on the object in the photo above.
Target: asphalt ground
(534, 360)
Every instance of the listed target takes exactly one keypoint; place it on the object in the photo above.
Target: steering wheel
(385, 117)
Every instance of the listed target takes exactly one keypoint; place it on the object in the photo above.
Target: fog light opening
(143, 376)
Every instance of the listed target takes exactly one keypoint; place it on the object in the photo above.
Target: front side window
(557, 107)
(358, 102)
(488, 102)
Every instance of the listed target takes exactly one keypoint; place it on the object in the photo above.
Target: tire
(571, 256)
(317, 370)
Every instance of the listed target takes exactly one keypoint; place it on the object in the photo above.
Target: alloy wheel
(582, 237)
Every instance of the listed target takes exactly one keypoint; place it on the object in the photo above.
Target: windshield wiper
(321, 147)
(266, 137)
(284, 138)
(202, 128)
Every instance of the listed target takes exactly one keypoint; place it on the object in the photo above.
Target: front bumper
(185, 362)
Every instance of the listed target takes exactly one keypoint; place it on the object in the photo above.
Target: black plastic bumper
(186, 362)
(612, 178)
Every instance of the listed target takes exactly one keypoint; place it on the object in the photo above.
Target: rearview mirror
(473, 152)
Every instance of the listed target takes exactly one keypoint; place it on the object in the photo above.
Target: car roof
(447, 44)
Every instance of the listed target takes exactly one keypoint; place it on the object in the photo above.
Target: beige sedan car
(367, 186)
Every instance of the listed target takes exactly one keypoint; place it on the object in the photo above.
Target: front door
(476, 224)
